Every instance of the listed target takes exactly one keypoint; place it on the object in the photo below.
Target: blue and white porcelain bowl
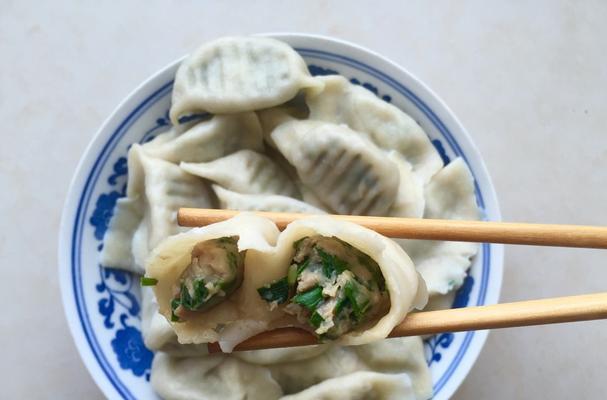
(102, 305)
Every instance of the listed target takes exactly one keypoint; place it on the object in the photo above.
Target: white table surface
(529, 83)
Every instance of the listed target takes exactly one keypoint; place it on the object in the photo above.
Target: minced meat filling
(214, 272)
(330, 286)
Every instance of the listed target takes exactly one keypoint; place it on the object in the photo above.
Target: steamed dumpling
(126, 217)
(201, 260)
(262, 202)
(216, 377)
(209, 139)
(449, 195)
(409, 202)
(342, 102)
(342, 281)
(167, 188)
(245, 171)
(344, 169)
(237, 74)
(156, 189)
(158, 335)
(358, 386)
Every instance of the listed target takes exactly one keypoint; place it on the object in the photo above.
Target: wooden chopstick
(506, 315)
(435, 229)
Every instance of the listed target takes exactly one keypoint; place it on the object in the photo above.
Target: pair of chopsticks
(506, 315)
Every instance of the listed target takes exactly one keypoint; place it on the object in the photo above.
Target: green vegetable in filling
(277, 291)
(215, 271)
(330, 286)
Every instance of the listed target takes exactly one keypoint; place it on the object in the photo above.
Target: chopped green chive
(316, 319)
(309, 299)
(277, 291)
(174, 305)
(303, 266)
(331, 264)
(145, 281)
(358, 297)
(292, 275)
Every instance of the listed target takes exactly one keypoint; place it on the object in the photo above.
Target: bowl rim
(99, 140)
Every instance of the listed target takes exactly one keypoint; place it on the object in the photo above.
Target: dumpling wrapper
(245, 171)
(156, 189)
(387, 126)
(410, 201)
(359, 385)
(244, 313)
(240, 315)
(209, 139)
(237, 74)
(126, 218)
(404, 285)
(449, 195)
(297, 369)
(157, 333)
(341, 167)
(262, 202)
(301, 373)
(216, 377)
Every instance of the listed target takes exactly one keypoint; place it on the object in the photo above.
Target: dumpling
(156, 189)
(245, 171)
(398, 356)
(216, 377)
(262, 202)
(158, 335)
(296, 369)
(202, 280)
(209, 139)
(281, 355)
(125, 219)
(344, 169)
(342, 102)
(237, 74)
(409, 202)
(358, 386)
(339, 280)
(167, 188)
(449, 195)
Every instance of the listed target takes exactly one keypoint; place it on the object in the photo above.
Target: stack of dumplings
(253, 130)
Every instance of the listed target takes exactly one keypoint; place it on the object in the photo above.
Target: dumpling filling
(330, 286)
(215, 271)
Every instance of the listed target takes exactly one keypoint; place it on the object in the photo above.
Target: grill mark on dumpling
(367, 191)
(369, 209)
(376, 197)
(316, 160)
(315, 167)
(350, 193)
(346, 185)
(340, 160)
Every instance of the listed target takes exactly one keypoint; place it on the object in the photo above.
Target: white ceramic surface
(102, 306)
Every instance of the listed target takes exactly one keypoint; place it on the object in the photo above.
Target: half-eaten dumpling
(340, 280)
